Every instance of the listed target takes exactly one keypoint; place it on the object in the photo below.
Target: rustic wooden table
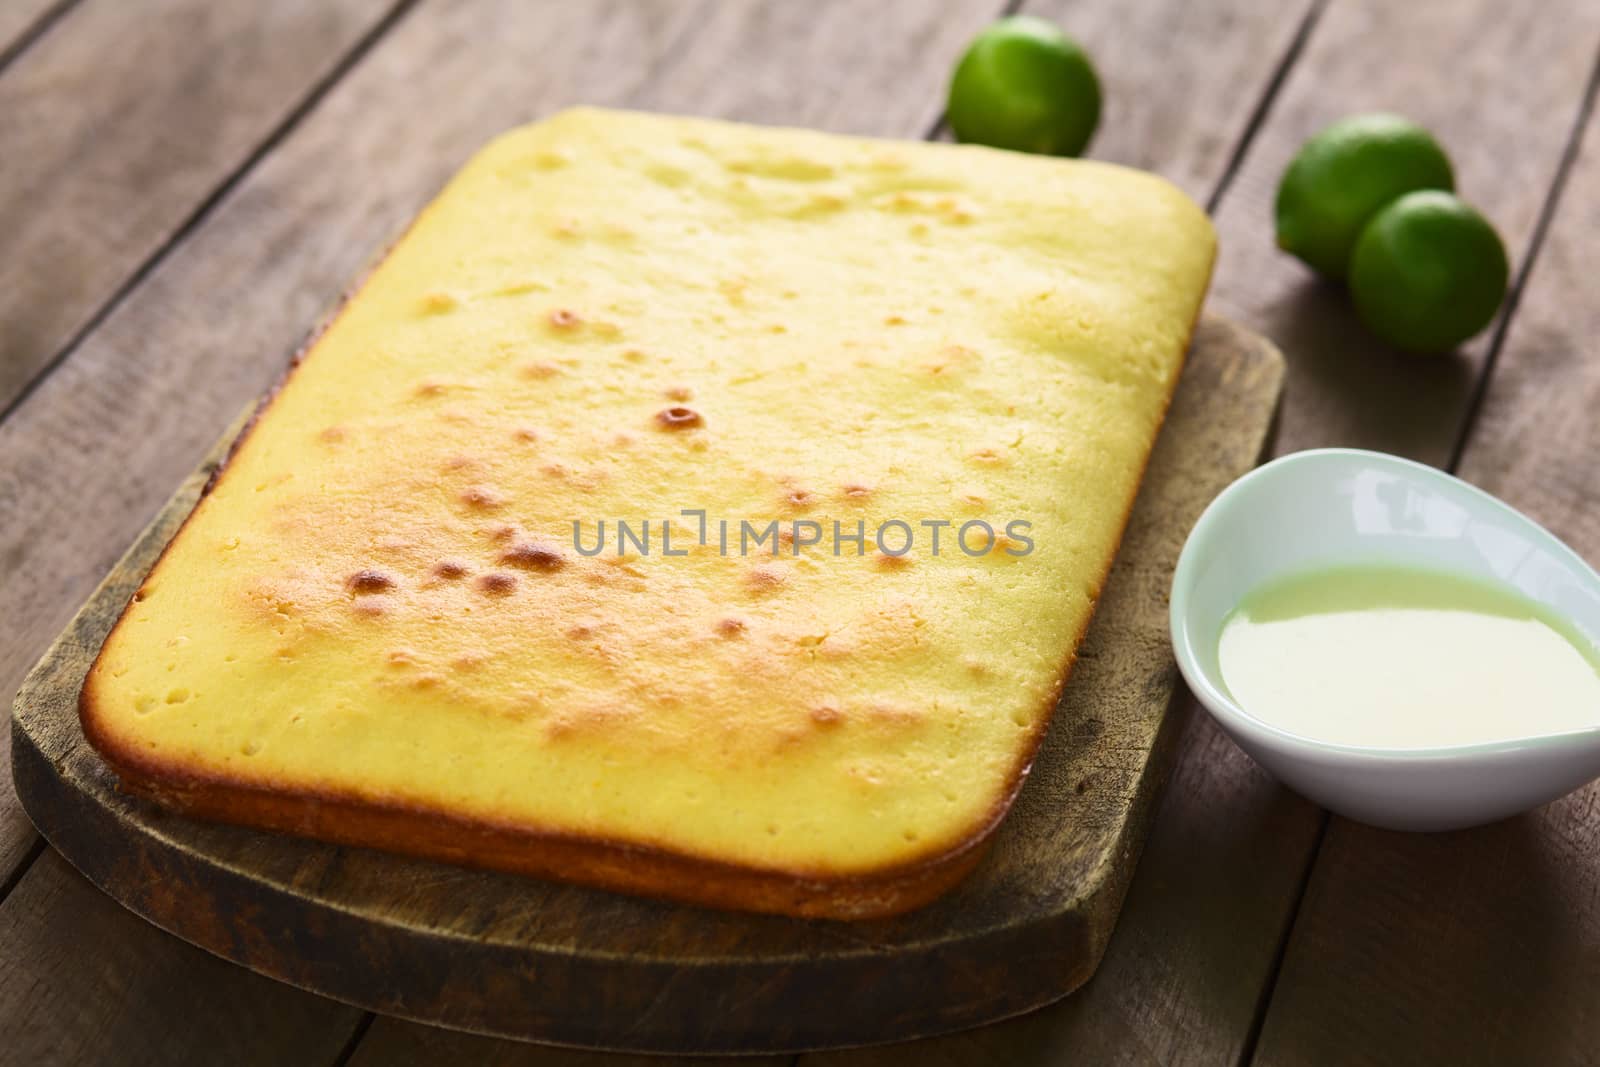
(185, 184)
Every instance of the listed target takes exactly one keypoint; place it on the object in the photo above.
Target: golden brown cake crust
(583, 861)
(602, 864)
(595, 860)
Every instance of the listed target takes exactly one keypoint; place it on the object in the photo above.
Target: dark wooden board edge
(875, 991)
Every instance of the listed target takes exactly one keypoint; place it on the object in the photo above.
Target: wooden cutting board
(504, 955)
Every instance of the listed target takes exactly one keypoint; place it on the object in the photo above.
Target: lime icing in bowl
(1350, 509)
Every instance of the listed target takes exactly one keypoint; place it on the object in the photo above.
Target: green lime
(1025, 85)
(1346, 174)
(1428, 272)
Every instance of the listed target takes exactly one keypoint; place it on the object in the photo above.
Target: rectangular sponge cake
(379, 626)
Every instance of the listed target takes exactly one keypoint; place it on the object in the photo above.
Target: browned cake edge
(347, 819)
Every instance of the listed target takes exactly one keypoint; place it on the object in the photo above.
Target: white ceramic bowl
(1332, 507)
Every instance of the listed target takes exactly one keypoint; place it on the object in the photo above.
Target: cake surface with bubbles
(680, 507)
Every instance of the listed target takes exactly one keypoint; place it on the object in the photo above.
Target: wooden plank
(1481, 946)
(117, 125)
(876, 69)
(80, 991)
(1180, 81)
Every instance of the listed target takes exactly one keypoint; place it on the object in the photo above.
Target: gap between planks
(1258, 117)
(34, 30)
(1547, 211)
